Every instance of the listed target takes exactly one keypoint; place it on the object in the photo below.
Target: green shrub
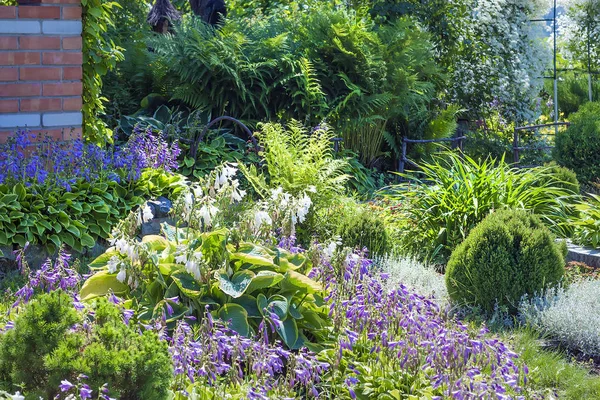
(578, 147)
(509, 254)
(587, 223)
(43, 349)
(562, 178)
(365, 229)
(37, 332)
(453, 193)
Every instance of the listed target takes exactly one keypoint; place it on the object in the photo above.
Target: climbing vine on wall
(100, 55)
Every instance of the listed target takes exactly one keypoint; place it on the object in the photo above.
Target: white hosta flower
(132, 253)
(304, 207)
(198, 255)
(312, 189)
(197, 191)
(330, 249)
(188, 202)
(113, 264)
(236, 194)
(122, 275)
(207, 213)
(147, 213)
(228, 171)
(275, 193)
(122, 246)
(193, 268)
(260, 218)
(181, 259)
(17, 396)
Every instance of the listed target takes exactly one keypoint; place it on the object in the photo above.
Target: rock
(7, 252)
(98, 249)
(153, 227)
(160, 207)
(36, 255)
(585, 255)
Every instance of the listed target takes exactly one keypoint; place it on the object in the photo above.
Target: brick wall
(40, 68)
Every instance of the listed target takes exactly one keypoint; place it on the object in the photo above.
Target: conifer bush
(508, 255)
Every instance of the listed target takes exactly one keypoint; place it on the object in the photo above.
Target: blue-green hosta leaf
(261, 302)
(249, 304)
(278, 305)
(253, 254)
(237, 284)
(101, 284)
(187, 284)
(236, 317)
(288, 331)
(264, 279)
(294, 311)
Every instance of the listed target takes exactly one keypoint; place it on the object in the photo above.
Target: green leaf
(102, 260)
(236, 317)
(264, 279)
(253, 254)
(87, 240)
(300, 281)
(156, 242)
(20, 191)
(187, 284)
(237, 285)
(101, 284)
(261, 302)
(168, 268)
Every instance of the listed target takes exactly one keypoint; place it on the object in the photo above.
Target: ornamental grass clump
(450, 195)
(508, 255)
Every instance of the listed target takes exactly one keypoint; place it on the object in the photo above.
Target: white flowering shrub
(420, 277)
(570, 316)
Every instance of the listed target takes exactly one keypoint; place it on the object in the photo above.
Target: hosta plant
(183, 272)
(587, 223)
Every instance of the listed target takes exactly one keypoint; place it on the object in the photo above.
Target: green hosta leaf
(294, 312)
(289, 261)
(253, 254)
(156, 242)
(19, 190)
(168, 268)
(87, 240)
(74, 230)
(100, 284)
(236, 317)
(237, 285)
(288, 331)
(187, 284)
(249, 304)
(20, 240)
(101, 261)
(297, 280)
(264, 279)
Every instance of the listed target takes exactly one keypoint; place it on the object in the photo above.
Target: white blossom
(122, 275)
(113, 264)
(147, 213)
(262, 217)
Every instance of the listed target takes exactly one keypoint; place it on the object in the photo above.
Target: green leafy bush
(508, 255)
(587, 223)
(43, 349)
(578, 147)
(365, 229)
(79, 217)
(453, 193)
(562, 177)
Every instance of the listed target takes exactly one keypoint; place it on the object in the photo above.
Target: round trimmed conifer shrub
(509, 254)
(365, 229)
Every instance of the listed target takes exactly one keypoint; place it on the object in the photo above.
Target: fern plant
(298, 161)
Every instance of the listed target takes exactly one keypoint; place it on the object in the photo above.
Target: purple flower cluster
(216, 354)
(50, 277)
(82, 390)
(29, 159)
(410, 329)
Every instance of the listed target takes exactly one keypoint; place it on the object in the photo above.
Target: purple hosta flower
(65, 385)
(50, 277)
(411, 329)
(85, 392)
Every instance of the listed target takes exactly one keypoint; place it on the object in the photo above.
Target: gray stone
(98, 249)
(7, 252)
(62, 119)
(153, 227)
(19, 26)
(160, 207)
(19, 120)
(62, 27)
(36, 255)
(585, 255)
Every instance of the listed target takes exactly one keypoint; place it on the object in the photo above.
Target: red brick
(25, 58)
(58, 58)
(41, 104)
(39, 12)
(71, 13)
(55, 134)
(40, 74)
(72, 43)
(63, 89)
(20, 89)
(72, 104)
(59, 1)
(8, 43)
(9, 106)
(4, 135)
(72, 73)
(9, 74)
(72, 133)
(8, 12)
(39, 43)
